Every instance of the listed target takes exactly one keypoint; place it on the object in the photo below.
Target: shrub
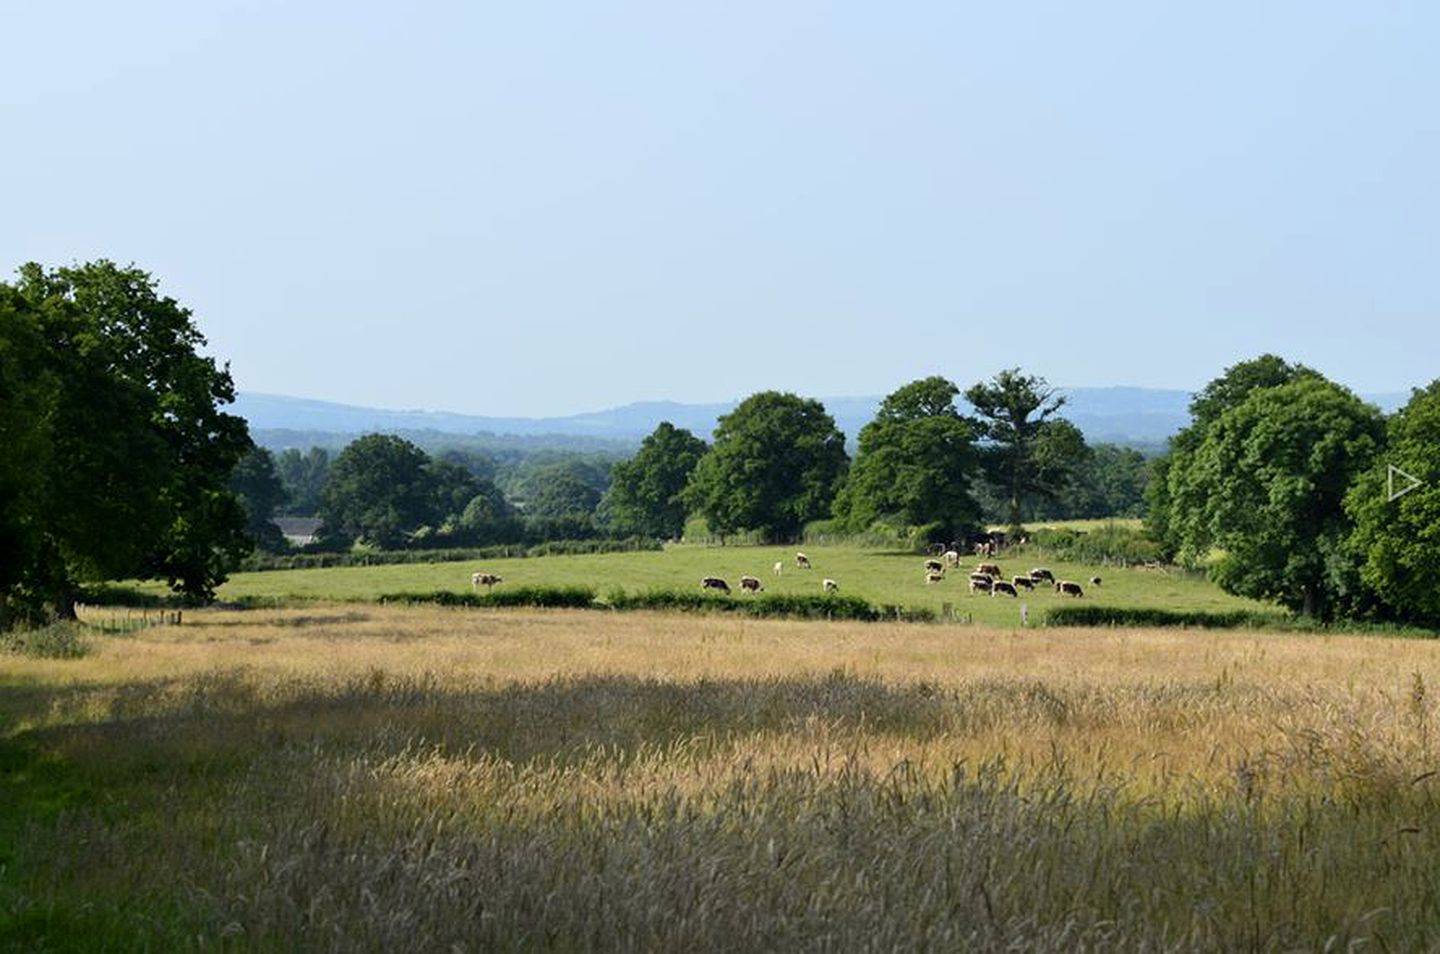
(1107, 546)
(766, 605)
(551, 597)
(879, 535)
(1093, 615)
(56, 641)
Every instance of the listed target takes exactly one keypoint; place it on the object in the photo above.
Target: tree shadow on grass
(232, 712)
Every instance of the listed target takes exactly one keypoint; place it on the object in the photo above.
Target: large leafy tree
(1109, 481)
(560, 503)
(1169, 512)
(262, 494)
(645, 491)
(488, 517)
(916, 463)
(776, 463)
(454, 487)
(304, 476)
(28, 391)
(1265, 488)
(1029, 451)
(380, 491)
(1397, 540)
(129, 452)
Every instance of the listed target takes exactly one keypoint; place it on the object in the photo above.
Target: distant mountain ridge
(1142, 417)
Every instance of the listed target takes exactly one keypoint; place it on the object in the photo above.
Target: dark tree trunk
(65, 606)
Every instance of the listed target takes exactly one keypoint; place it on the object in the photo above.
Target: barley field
(341, 777)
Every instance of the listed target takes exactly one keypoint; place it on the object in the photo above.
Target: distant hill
(1139, 417)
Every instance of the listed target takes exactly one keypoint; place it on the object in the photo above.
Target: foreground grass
(876, 576)
(416, 779)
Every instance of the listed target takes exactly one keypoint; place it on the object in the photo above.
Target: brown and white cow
(487, 580)
(932, 576)
(802, 561)
(992, 569)
(750, 584)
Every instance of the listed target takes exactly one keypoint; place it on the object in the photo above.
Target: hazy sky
(538, 208)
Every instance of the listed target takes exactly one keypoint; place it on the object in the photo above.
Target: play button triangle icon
(1398, 489)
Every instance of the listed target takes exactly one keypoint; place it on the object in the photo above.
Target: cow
(1023, 582)
(933, 577)
(1094, 581)
(952, 557)
(934, 566)
(715, 583)
(1040, 573)
(779, 567)
(1066, 588)
(980, 582)
(750, 584)
(802, 561)
(1000, 586)
(992, 569)
(830, 586)
(487, 580)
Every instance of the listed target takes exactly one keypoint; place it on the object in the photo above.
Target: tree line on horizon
(118, 462)
(922, 472)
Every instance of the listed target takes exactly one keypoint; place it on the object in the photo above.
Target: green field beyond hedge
(877, 576)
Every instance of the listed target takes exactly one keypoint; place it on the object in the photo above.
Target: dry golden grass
(337, 777)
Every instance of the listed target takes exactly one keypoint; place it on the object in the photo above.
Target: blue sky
(547, 208)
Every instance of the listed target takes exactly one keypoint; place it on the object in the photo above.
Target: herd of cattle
(985, 578)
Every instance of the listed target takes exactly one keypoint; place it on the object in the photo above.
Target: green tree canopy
(304, 476)
(1398, 541)
(1108, 481)
(915, 463)
(488, 518)
(645, 491)
(127, 450)
(1166, 515)
(1266, 487)
(262, 494)
(560, 502)
(1028, 451)
(454, 487)
(381, 489)
(776, 463)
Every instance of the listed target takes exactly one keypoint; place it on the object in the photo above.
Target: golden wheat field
(347, 778)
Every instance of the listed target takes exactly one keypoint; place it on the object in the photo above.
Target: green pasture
(877, 576)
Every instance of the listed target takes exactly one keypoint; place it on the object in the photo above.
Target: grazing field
(878, 576)
(347, 777)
